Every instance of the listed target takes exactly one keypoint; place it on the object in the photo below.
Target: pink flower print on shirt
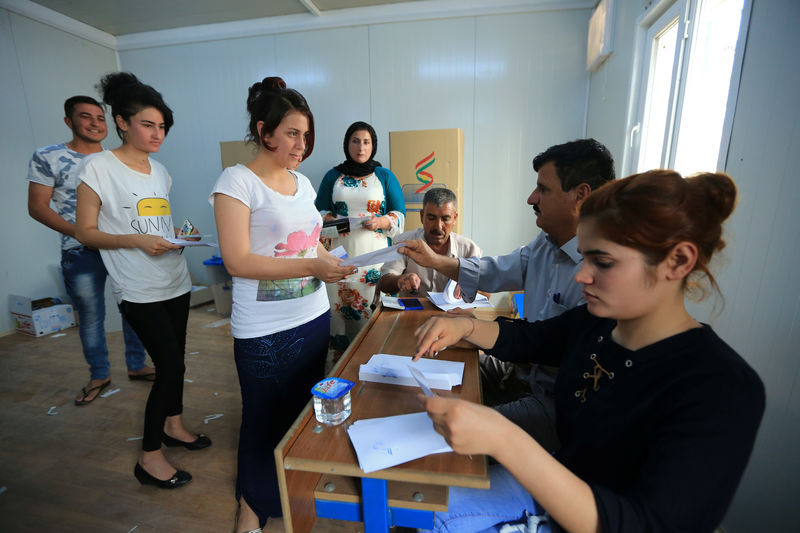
(298, 243)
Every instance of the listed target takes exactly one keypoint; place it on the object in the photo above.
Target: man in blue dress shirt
(544, 269)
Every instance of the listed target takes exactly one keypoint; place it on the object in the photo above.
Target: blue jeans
(473, 510)
(85, 280)
(276, 373)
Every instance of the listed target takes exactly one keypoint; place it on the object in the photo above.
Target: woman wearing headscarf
(370, 195)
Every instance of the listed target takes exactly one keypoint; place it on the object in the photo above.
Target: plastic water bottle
(332, 400)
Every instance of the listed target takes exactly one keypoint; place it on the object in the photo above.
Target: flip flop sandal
(86, 392)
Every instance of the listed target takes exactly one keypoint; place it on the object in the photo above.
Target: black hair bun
(273, 82)
(111, 85)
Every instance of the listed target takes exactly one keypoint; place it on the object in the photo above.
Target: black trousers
(161, 326)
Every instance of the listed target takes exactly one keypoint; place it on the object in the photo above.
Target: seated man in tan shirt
(439, 215)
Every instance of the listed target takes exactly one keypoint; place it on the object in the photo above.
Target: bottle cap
(331, 388)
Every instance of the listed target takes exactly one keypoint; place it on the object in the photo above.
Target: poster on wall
(425, 159)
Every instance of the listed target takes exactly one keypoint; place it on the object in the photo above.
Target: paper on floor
(384, 442)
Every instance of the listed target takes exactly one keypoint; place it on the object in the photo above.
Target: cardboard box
(423, 159)
(233, 152)
(38, 322)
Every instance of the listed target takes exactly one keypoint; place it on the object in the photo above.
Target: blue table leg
(375, 501)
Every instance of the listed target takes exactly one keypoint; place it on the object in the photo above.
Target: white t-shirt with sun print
(134, 202)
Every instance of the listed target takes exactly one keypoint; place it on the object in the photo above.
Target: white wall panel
(39, 68)
(762, 314)
(331, 69)
(530, 93)
(757, 271)
(423, 77)
(54, 66)
(609, 86)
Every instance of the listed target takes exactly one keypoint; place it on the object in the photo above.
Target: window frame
(646, 29)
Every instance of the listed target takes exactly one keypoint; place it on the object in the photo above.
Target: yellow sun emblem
(150, 207)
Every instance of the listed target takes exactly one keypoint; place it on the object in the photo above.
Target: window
(687, 52)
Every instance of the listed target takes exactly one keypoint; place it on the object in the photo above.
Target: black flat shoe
(197, 444)
(178, 479)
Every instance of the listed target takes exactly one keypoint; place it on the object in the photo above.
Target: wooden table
(313, 458)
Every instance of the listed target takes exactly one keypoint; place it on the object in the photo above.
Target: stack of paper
(446, 300)
(384, 442)
(385, 368)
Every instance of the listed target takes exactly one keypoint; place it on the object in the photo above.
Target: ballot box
(425, 159)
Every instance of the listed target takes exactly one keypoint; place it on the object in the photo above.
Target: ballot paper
(358, 221)
(446, 299)
(386, 368)
(334, 228)
(373, 258)
(186, 242)
(339, 252)
(384, 442)
(420, 379)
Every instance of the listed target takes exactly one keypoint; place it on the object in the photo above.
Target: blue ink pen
(557, 297)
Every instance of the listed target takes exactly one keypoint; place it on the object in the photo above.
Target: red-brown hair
(653, 211)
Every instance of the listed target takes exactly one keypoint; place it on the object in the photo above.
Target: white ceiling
(121, 17)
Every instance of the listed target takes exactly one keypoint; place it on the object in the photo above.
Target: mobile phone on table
(410, 304)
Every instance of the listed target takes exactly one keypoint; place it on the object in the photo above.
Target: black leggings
(161, 326)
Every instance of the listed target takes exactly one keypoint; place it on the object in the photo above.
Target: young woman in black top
(656, 414)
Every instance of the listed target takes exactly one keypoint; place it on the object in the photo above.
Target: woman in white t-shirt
(269, 239)
(124, 211)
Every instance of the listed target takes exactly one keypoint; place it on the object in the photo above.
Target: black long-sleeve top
(664, 436)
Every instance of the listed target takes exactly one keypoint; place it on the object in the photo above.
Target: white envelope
(393, 369)
(382, 255)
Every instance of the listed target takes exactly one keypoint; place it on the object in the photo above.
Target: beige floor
(71, 471)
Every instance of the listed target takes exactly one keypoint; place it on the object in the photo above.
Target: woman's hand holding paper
(468, 428)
